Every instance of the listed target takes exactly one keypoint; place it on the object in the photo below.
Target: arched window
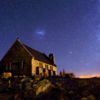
(54, 73)
(37, 70)
(44, 70)
(49, 72)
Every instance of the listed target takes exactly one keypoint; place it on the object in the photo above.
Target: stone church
(23, 60)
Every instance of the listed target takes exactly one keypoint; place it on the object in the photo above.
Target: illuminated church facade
(23, 60)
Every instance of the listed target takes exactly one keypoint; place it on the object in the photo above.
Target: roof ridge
(38, 55)
(24, 46)
(34, 49)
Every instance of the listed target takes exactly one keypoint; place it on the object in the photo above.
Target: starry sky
(68, 28)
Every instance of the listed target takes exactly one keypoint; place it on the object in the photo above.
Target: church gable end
(16, 51)
(17, 60)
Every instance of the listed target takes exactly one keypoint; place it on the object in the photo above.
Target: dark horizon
(68, 28)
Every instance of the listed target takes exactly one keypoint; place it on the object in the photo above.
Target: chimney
(52, 58)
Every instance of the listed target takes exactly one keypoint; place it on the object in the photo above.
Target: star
(70, 52)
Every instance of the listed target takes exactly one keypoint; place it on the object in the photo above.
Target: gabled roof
(34, 53)
(38, 55)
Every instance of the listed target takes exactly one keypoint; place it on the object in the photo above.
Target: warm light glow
(89, 76)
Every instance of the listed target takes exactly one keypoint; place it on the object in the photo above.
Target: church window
(37, 70)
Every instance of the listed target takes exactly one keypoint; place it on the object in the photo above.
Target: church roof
(33, 53)
(38, 55)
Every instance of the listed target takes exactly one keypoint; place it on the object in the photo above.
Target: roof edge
(18, 39)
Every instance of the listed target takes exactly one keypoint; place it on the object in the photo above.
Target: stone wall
(42, 65)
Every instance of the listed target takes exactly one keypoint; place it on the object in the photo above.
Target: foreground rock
(41, 86)
(49, 89)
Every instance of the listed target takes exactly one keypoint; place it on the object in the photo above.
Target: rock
(6, 75)
(91, 97)
(41, 86)
(84, 98)
(99, 98)
(28, 85)
(26, 80)
(5, 97)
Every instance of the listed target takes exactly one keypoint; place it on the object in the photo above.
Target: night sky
(68, 28)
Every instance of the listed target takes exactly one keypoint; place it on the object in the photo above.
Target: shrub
(69, 75)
